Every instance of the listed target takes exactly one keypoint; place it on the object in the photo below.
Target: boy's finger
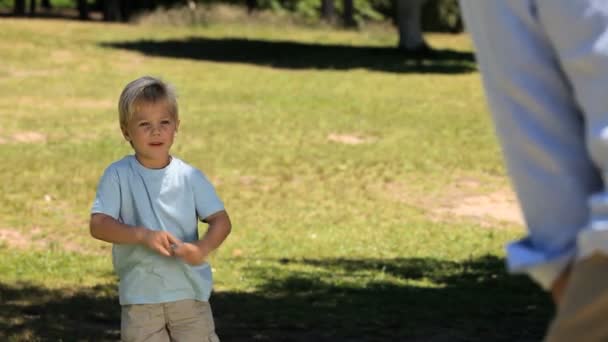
(165, 244)
(164, 251)
(174, 240)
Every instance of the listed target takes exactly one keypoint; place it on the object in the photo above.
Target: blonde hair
(145, 89)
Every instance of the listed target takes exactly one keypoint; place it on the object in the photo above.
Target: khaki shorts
(582, 314)
(181, 321)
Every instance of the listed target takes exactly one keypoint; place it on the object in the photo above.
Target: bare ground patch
(350, 138)
(71, 235)
(14, 238)
(33, 137)
(462, 198)
(24, 137)
(27, 73)
(499, 205)
(28, 137)
(37, 239)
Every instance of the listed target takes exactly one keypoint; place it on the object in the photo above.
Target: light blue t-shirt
(172, 199)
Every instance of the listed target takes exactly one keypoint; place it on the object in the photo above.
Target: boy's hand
(190, 253)
(159, 241)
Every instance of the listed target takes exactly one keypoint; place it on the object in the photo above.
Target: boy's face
(151, 131)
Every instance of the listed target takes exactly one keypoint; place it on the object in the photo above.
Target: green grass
(331, 241)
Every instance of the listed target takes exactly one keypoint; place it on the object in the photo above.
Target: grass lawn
(339, 160)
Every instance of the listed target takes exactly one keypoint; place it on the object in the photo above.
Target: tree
(123, 10)
(408, 13)
(83, 10)
(112, 10)
(348, 13)
(442, 16)
(328, 10)
(19, 7)
(252, 5)
(32, 7)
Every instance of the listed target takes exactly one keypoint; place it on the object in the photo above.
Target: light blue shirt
(171, 199)
(545, 70)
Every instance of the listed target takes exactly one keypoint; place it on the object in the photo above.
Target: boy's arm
(195, 253)
(106, 228)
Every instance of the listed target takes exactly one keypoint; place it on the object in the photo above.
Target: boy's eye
(165, 122)
(144, 124)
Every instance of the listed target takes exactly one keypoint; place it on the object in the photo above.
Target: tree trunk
(410, 26)
(349, 13)
(19, 7)
(128, 8)
(99, 5)
(83, 10)
(111, 10)
(252, 5)
(328, 10)
(46, 4)
(32, 7)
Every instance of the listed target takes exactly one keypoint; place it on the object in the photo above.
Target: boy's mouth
(155, 144)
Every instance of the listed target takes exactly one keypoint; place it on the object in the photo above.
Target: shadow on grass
(33, 313)
(471, 301)
(295, 55)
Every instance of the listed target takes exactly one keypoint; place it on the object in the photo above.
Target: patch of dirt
(22, 73)
(462, 198)
(499, 205)
(35, 240)
(465, 198)
(350, 139)
(25, 137)
(28, 137)
(14, 238)
(247, 180)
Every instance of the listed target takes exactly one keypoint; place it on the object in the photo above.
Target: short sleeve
(206, 200)
(107, 199)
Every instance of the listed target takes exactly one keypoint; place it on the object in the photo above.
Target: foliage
(55, 3)
(364, 9)
(438, 15)
(442, 16)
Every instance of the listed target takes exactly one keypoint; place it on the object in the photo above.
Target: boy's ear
(125, 134)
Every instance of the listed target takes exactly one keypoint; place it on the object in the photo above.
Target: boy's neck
(154, 165)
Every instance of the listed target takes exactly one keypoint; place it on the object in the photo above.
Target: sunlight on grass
(54, 268)
(331, 152)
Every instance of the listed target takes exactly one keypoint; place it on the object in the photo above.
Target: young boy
(147, 205)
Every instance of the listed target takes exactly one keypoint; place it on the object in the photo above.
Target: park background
(366, 188)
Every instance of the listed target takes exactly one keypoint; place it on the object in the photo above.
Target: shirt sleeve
(206, 200)
(543, 128)
(107, 199)
(542, 266)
